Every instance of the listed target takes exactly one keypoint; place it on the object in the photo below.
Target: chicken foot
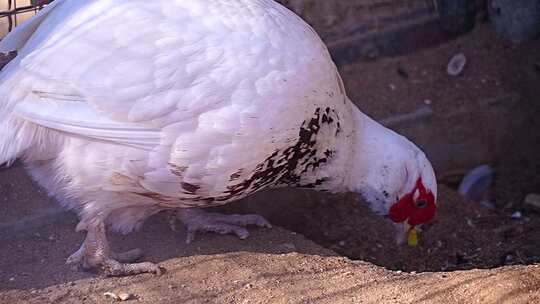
(197, 220)
(95, 253)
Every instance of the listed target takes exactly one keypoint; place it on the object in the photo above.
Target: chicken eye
(421, 203)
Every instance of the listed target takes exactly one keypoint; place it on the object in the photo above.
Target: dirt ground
(339, 252)
(272, 266)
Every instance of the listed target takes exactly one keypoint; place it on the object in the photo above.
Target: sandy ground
(470, 254)
(272, 266)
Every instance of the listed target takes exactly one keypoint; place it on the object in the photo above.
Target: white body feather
(125, 108)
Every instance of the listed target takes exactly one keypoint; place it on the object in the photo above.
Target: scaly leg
(96, 253)
(197, 220)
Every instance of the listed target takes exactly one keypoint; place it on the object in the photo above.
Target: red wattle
(402, 210)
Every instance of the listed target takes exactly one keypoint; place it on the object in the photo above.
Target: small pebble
(533, 201)
(248, 285)
(456, 65)
(392, 87)
(111, 295)
(124, 296)
(517, 215)
(342, 243)
(12, 279)
(428, 101)
(399, 271)
(401, 72)
(476, 183)
(487, 204)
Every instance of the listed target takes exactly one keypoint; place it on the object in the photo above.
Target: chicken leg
(197, 220)
(95, 253)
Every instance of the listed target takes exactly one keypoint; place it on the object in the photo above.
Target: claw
(113, 268)
(245, 220)
(200, 221)
(219, 228)
(96, 254)
(76, 257)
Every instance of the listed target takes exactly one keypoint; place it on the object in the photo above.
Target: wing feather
(80, 119)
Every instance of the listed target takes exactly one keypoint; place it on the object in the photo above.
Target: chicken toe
(95, 253)
(197, 220)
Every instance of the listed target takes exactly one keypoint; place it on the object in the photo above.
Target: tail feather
(17, 136)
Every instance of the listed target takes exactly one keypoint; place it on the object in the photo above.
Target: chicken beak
(406, 233)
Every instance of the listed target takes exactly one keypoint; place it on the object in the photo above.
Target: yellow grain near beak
(412, 240)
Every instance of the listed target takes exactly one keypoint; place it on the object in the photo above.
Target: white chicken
(122, 109)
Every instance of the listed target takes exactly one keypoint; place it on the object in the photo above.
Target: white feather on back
(149, 95)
